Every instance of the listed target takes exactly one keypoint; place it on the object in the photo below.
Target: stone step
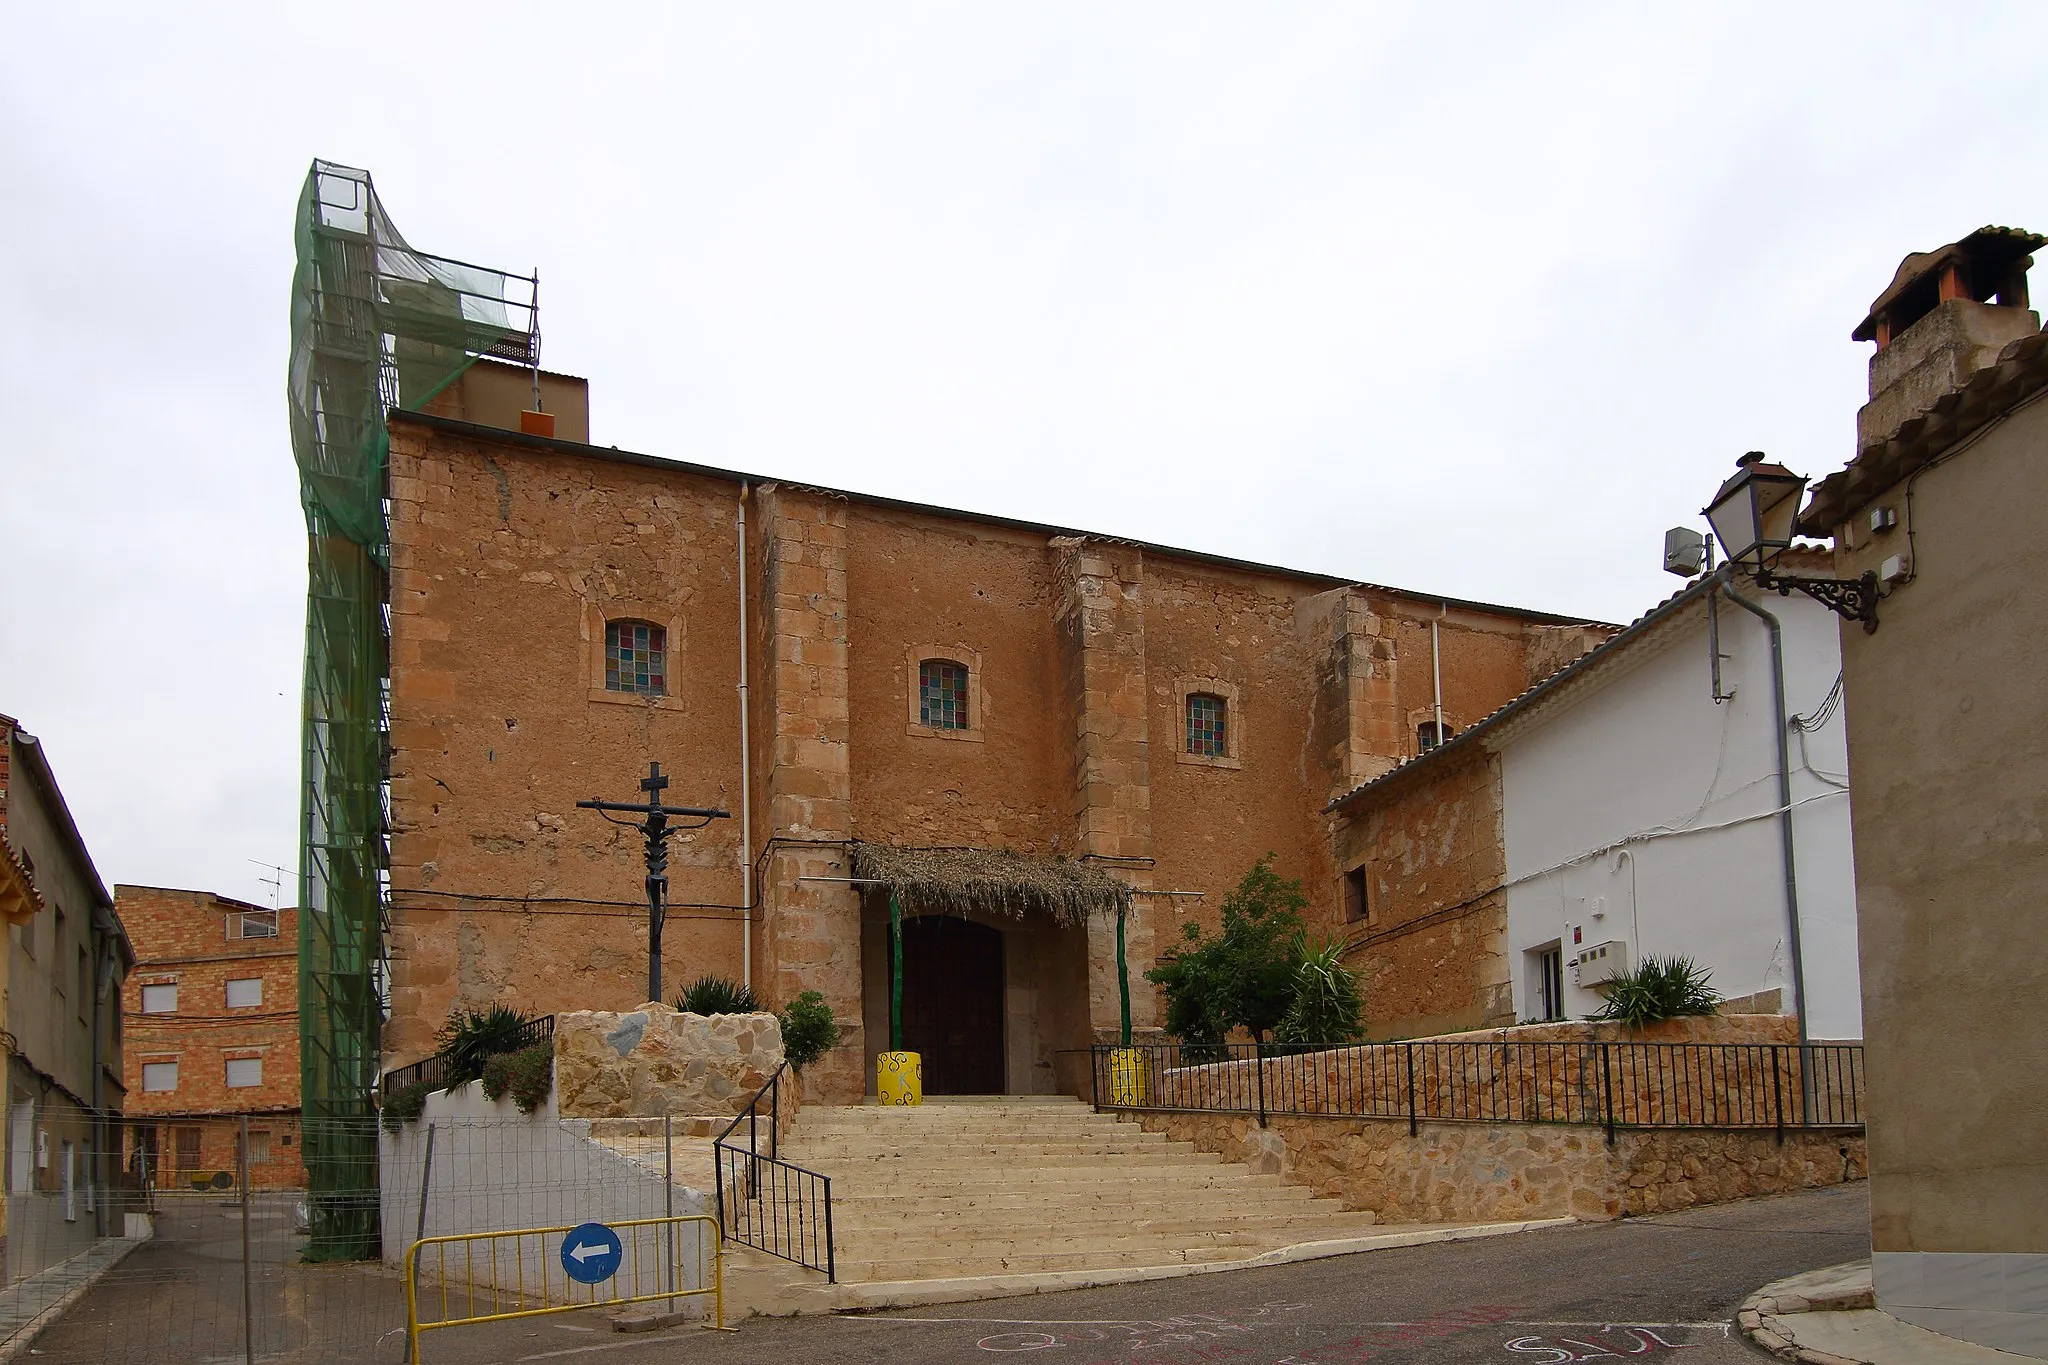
(952, 1267)
(1211, 1200)
(857, 1166)
(853, 1236)
(1131, 1178)
(971, 1137)
(1082, 1122)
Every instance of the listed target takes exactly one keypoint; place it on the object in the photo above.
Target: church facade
(846, 673)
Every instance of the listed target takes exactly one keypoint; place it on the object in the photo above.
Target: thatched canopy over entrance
(934, 880)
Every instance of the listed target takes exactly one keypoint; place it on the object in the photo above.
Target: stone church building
(845, 673)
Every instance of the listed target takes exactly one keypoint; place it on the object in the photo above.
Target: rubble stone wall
(654, 1060)
(1471, 1172)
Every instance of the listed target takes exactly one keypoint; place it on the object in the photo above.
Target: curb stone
(1779, 1299)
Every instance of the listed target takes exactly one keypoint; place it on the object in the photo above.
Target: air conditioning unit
(1596, 964)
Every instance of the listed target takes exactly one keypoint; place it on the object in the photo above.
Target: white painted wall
(1641, 812)
(495, 1168)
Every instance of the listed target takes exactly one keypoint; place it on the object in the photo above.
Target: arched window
(1208, 725)
(635, 658)
(1428, 737)
(942, 694)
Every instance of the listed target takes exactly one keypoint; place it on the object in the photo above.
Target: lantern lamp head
(1753, 513)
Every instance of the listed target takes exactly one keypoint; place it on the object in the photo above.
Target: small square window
(1208, 726)
(244, 1072)
(160, 999)
(245, 993)
(160, 1076)
(942, 694)
(635, 658)
(1429, 735)
(1357, 906)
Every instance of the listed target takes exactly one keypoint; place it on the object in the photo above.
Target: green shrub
(1244, 977)
(405, 1104)
(808, 1029)
(471, 1038)
(526, 1075)
(1659, 989)
(717, 995)
(1328, 1004)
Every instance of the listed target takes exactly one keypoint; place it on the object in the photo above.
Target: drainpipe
(746, 804)
(1436, 668)
(1784, 726)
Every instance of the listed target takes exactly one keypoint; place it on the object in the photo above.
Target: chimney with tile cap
(1947, 314)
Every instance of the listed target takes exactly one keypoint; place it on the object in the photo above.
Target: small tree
(1244, 977)
(808, 1030)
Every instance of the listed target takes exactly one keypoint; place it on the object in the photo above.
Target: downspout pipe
(746, 803)
(1783, 730)
(1436, 669)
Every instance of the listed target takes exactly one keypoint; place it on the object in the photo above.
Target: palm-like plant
(1327, 1003)
(471, 1038)
(1660, 988)
(717, 995)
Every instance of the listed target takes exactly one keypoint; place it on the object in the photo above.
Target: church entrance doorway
(953, 1003)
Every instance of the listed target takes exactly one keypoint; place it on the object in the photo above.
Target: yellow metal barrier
(472, 1270)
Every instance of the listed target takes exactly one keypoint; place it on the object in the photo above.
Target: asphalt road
(1657, 1288)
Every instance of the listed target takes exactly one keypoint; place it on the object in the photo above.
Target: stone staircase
(965, 1198)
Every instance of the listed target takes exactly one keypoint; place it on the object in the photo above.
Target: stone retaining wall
(655, 1061)
(1474, 1172)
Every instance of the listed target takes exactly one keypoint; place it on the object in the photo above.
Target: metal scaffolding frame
(376, 325)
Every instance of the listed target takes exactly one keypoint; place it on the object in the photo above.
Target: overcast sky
(1471, 299)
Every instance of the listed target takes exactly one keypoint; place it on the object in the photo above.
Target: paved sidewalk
(1830, 1317)
(31, 1304)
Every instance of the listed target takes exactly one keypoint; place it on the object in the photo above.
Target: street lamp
(1753, 514)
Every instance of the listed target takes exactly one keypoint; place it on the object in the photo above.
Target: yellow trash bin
(899, 1077)
(1129, 1076)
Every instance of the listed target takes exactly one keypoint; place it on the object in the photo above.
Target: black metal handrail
(1774, 1086)
(767, 1203)
(434, 1070)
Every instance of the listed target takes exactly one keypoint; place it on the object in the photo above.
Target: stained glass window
(635, 658)
(942, 695)
(1206, 726)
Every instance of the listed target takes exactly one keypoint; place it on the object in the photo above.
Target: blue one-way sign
(590, 1253)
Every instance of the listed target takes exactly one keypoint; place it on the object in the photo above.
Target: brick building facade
(913, 676)
(212, 1015)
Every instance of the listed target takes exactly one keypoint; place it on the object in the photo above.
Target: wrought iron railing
(434, 1070)
(1611, 1085)
(765, 1202)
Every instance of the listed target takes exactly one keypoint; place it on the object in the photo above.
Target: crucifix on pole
(655, 827)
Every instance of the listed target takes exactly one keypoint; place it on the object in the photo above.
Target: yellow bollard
(1129, 1077)
(899, 1077)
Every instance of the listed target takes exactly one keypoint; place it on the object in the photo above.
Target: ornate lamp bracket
(1854, 599)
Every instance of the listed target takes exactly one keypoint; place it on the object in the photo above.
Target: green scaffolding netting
(376, 325)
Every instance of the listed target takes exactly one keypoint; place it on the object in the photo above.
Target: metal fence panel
(1612, 1085)
(181, 1240)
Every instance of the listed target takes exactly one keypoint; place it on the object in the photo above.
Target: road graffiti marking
(1574, 1350)
(1131, 1334)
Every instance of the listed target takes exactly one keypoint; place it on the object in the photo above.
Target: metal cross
(655, 826)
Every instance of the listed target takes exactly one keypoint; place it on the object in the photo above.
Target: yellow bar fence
(477, 1277)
